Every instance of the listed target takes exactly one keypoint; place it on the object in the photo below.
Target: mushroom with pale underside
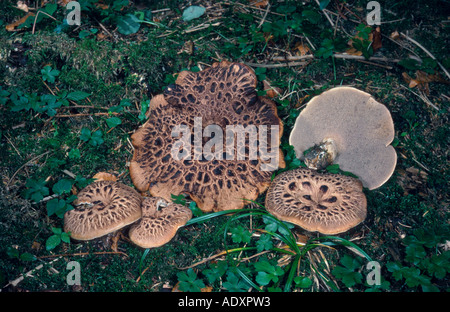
(317, 202)
(101, 208)
(222, 95)
(159, 223)
(350, 128)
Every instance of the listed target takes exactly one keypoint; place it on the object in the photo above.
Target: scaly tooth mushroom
(348, 127)
(222, 95)
(101, 208)
(160, 222)
(326, 203)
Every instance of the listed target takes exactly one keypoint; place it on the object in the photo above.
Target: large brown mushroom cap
(360, 127)
(160, 222)
(102, 208)
(221, 95)
(327, 203)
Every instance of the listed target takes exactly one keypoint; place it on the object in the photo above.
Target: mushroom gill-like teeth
(159, 222)
(223, 95)
(101, 208)
(327, 203)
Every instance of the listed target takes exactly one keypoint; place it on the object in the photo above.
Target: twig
(264, 16)
(85, 254)
(292, 58)
(84, 115)
(360, 57)
(15, 282)
(326, 14)
(31, 160)
(427, 52)
(289, 64)
(35, 19)
(422, 97)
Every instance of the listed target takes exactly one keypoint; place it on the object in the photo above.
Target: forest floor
(72, 95)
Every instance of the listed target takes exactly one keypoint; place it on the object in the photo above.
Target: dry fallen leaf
(104, 176)
(301, 49)
(259, 3)
(271, 91)
(13, 26)
(422, 80)
(376, 42)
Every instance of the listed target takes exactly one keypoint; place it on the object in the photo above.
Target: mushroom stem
(322, 155)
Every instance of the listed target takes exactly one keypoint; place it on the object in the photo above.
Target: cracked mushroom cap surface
(361, 128)
(220, 96)
(159, 223)
(101, 208)
(326, 203)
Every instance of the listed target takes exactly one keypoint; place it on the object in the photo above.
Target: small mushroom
(207, 103)
(348, 127)
(101, 208)
(160, 222)
(326, 203)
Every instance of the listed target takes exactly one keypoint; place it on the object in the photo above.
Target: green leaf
(74, 153)
(50, 8)
(96, 138)
(128, 24)
(56, 206)
(36, 190)
(77, 95)
(85, 134)
(26, 256)
(52, 242)
(312, 16)
(267, 272)
(189, 282)
(49, 74)
(193, 12)
(264, 243)
(303, 282)
(62, 186)
(65, 237)
(113, 122)
(239, 234)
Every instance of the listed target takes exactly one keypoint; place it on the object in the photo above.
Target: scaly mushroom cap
(102, 208)
(160, 222)
(360, 127)
(222, 95)
(327, 203)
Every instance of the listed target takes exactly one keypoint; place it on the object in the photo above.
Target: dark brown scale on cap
(326, 203)
(222, 95)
